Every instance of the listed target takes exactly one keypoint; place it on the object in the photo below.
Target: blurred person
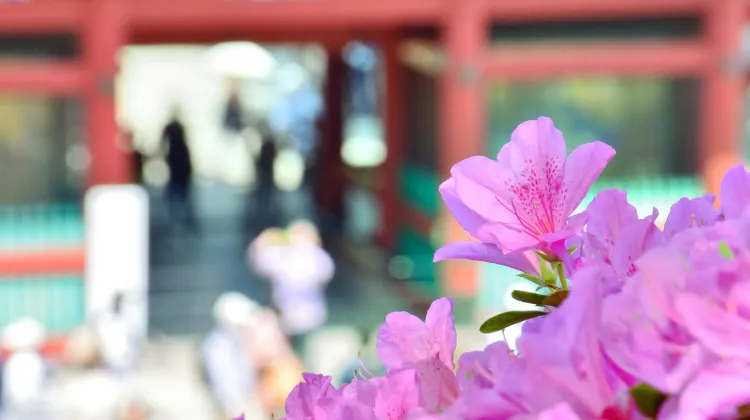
(227, 358)
(266, 187)
(179, 161)
(280, 368)
(234, 120)
(118, 339)
(25, 372)
(299, 269)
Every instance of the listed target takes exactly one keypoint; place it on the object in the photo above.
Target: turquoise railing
(58, 302)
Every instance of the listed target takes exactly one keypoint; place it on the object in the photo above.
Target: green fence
(58, 302)
(40, 226)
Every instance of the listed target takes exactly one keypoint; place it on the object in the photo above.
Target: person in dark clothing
(233, 120)
(180, 174)
(264, 167)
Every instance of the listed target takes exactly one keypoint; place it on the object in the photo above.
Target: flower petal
(477, 186)
(735, 191)
(442, 329)
(687, 213)
(476, 251)
(402, 340)
(469, 220)
(583, 167)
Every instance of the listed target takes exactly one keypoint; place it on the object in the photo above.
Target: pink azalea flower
(609, 212)
(634, 240)
(564, 351)
(525, 199)
(313, 399)
(657, 351)
(689, 213)
(404, 341)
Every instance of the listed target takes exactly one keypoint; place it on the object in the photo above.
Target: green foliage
(533, 279)
(648, 399)
(504, 320)
(529, 297)
(725, 251)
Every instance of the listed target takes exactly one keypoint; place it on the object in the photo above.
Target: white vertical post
(117, 219)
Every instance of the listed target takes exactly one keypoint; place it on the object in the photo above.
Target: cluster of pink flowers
(630, 321)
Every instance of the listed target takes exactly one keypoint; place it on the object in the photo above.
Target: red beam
(549, 10)
(44, 77)
(462, 125)
(25, 263)
(194, 15)
(333, 40)
(393, 117)
(622, 59)
(41, 16)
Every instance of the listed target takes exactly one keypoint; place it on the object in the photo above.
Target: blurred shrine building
(663, 81)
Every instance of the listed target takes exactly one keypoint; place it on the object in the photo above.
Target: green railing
(40, 226)
(58, 302)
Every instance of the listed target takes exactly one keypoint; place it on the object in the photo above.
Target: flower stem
(561, 273)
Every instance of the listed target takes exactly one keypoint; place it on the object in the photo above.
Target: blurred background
(199, 199)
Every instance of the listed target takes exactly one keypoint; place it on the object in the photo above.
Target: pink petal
(634, 240)
(725, 333)
(583, 167)
(477, 186)
(441, 327)
(402, 340)
(608, 212)
(476, 251)
(687, 213)
(398, 395)
(511, 237)
(735, 191)
(715, 391)
(467, 218)
(561, 411)
(536, 140)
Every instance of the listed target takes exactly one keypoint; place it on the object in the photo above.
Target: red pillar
(393, 117)
(332, 181)
(724, 91)
(461, 118)
(105, 33)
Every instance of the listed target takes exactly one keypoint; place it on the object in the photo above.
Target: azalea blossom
(655, 324)
(525, 199)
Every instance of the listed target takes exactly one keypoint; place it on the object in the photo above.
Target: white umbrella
(245, 60)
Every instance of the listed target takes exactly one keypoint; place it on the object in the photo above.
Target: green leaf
(572, 248)
(548, 276)
(555, 299)
(725, 251)
(533, 279)
(504, 320)
(648, 399)
(528, 297)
